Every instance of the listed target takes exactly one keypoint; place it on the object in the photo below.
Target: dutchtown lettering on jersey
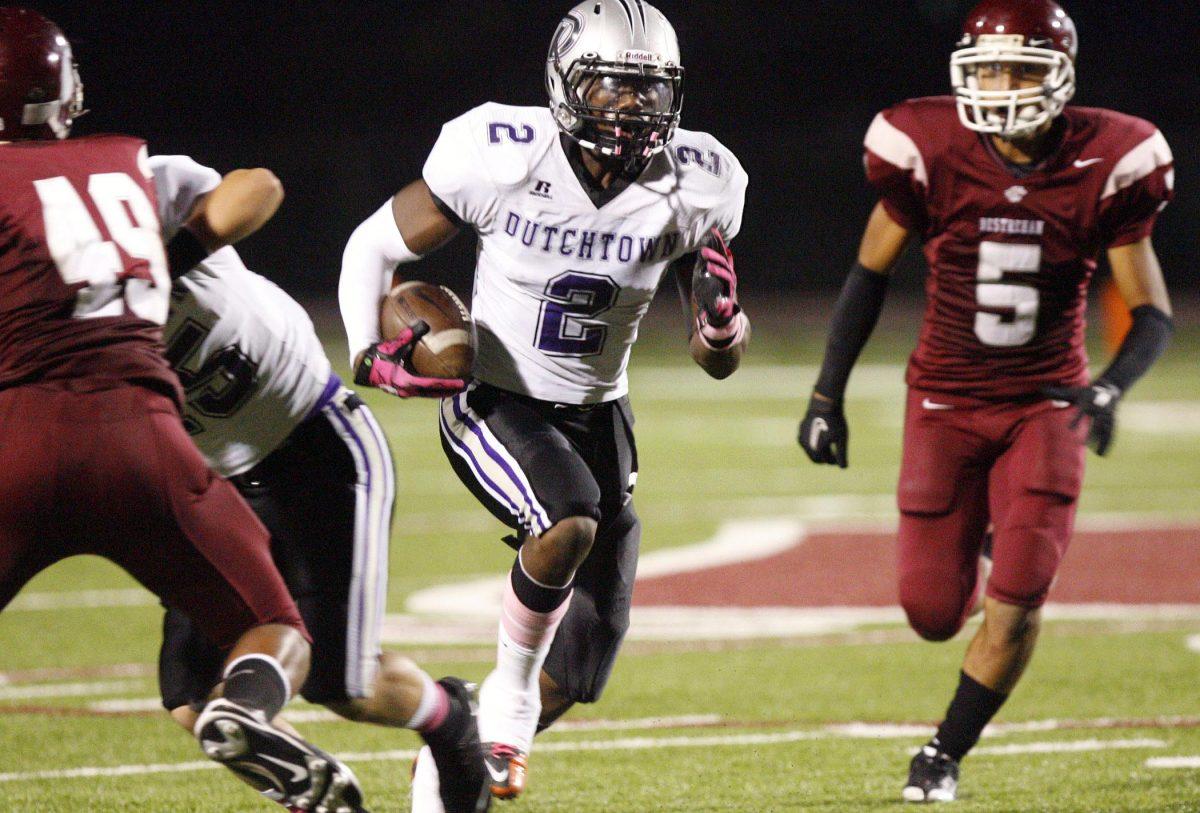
(586, 244)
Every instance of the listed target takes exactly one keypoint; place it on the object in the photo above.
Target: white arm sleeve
(178, 182)
(371, 255)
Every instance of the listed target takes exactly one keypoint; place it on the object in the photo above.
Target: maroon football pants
(1016, 466)
(109, 470)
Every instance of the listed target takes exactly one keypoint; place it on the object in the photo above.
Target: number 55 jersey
(251, 365)
(1011, 249)
(562, 283)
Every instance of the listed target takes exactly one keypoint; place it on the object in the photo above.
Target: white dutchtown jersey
(246, 353)
(560, 284)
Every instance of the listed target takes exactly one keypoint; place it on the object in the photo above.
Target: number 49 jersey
(1011, 252)
(83, 275)
(561, 284)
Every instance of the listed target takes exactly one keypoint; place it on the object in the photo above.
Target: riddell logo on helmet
(1000, 41)
(639, 56)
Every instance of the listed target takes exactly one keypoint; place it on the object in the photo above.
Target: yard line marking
(1173, 762)
(1162, 417)
(1072, 747)
(115, 770)
(474, 624)
(321, 715)
(70, 689)
(1193, 643)
(126, 706)
(638, 723)
(620, 743)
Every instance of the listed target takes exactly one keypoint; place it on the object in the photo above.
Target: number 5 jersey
(561, 283)
(1011, 250)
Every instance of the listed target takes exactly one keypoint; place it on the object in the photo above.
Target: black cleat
(285, 769)
(932, 777)
(462, 776)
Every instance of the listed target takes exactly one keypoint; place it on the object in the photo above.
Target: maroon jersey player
(95, 458)
(1013, 195)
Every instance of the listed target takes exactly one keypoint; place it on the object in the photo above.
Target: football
(448, 349)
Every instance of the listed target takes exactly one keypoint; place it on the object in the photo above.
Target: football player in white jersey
(580, 210)
(267, 412)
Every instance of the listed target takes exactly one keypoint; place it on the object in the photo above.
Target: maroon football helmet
(1031, 37)
(40, 91)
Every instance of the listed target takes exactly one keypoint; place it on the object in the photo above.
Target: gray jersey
(246, 352)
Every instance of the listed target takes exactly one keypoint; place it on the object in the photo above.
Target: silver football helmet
(614, 78)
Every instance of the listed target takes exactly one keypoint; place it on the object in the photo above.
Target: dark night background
(344, 99)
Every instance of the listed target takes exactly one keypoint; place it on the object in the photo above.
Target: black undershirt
(598, 195)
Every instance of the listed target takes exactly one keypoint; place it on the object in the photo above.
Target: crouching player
(306, 453)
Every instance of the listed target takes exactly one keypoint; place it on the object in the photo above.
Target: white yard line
(83, 689)
(1072, 747)
(616, 744)
(475, 624)
(1174, 763)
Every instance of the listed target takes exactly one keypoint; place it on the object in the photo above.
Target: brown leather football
(448, 349)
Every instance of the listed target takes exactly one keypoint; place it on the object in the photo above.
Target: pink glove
(382, 366)
(714, 286)
(714, 282)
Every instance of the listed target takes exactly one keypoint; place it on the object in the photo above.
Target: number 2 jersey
(83, 279)
(561, 284)
(250, 362)
(1011, 251)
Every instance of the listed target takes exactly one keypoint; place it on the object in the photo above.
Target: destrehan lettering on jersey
(561, 284)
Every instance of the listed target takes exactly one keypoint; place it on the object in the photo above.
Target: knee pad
(934, 613)
(585, 648)
(1028, 552)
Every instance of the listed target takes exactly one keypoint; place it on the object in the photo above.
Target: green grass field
(744, 725)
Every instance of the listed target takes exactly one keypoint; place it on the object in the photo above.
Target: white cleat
(426, 793)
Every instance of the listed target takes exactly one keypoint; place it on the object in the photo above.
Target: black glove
(1097, 401)
(824, 435)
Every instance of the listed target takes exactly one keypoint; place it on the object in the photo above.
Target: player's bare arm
(240, 205)
(824, 434)
(404, 229)
(719, 330)
(1139, 280)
